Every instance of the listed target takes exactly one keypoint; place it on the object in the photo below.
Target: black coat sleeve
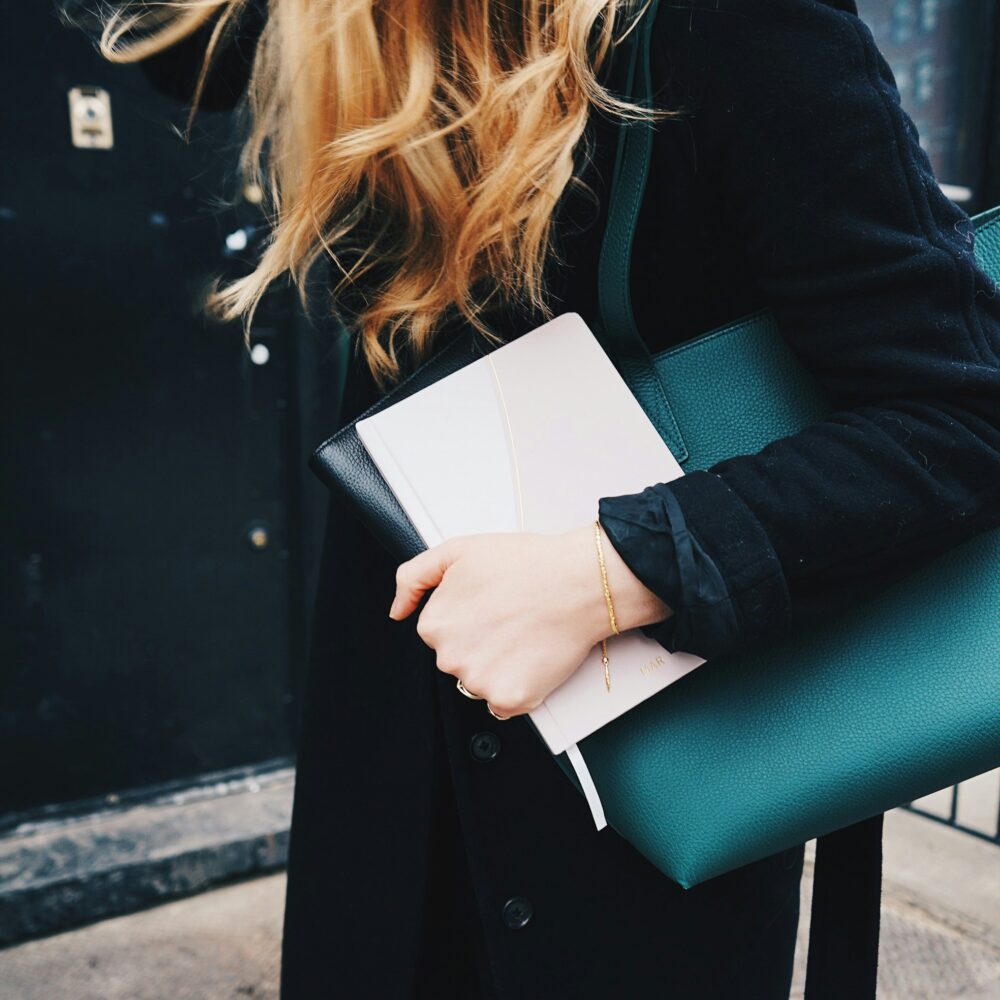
(174, 71)
(871, 274)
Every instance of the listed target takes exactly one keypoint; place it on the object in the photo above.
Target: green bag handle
(616, 330)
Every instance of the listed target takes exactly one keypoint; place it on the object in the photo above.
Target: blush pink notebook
(545, 426)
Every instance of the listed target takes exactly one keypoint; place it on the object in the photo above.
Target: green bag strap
(617, 331)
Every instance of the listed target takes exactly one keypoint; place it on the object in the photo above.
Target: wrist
(634, 603)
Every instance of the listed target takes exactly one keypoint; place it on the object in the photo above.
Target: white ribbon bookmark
(587, 784)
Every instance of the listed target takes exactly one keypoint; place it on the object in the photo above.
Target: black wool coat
(437, 851)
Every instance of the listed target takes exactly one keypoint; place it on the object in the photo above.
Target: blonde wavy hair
(442, 133)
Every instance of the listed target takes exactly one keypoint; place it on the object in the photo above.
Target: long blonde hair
(441, 132)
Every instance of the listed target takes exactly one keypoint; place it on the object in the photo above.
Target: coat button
(516, 912)
(484, 746)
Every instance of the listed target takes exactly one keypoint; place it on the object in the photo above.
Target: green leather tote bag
(826, 727)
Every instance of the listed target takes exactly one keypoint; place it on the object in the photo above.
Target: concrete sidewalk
(940, 934)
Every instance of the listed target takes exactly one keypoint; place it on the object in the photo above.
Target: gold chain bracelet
(607, 600)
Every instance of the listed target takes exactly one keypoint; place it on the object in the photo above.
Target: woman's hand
(514, 614)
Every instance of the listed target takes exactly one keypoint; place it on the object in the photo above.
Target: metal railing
(972, 806)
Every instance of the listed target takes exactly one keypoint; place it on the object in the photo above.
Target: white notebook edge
(548, 728)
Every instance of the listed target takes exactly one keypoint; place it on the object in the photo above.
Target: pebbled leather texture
(762, 750)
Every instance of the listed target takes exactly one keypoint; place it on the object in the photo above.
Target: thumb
(418, 575)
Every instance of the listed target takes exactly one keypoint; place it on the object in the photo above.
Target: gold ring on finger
(503, 718)
(468, 694)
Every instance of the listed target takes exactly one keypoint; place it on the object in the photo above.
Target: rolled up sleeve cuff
(700, 549)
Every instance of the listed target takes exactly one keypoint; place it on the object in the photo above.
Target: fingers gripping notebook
(528, 438)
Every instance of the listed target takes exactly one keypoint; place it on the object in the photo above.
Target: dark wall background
(160, 529)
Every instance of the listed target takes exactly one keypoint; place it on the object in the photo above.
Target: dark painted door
(159, 526)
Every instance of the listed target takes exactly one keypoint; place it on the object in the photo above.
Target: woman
(436, 848)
